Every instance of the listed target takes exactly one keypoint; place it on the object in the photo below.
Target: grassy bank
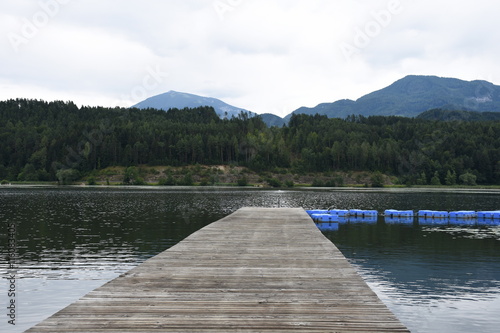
(220, 175)
(228, 175)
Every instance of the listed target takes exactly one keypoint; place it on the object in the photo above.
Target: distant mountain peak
(180, 100)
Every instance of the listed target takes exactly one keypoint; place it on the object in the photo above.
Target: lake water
(69, 241)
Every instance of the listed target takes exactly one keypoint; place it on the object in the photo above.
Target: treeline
(48, 141)
(459, 115)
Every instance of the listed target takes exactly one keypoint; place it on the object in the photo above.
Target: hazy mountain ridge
(413, 95)
(272, 120)
(407, 97)
(180, 100)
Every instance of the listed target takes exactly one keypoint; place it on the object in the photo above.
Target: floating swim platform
(393, 216)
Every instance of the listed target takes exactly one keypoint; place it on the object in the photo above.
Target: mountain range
(408, 97)
(413, 95)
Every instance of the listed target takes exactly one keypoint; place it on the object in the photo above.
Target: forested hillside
(41, 140)
(459, 115)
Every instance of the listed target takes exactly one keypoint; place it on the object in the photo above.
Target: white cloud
(265, 56)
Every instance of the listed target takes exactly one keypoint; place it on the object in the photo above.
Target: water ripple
(436, 278)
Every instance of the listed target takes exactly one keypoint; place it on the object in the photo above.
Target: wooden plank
(256, 270)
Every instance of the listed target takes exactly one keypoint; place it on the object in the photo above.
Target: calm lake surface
(68, 241)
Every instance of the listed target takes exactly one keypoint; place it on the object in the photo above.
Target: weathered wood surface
(257, 270)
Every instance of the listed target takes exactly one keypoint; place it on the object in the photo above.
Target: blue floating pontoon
(432, 214)
(340, 212)
(464, 214)
(317, 211)
(363, 213)
(399, 213)
(495, 214)
(324, 218)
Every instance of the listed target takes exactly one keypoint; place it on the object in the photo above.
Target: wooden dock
(257, 270)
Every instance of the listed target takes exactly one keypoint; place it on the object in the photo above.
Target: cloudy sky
(262, 55)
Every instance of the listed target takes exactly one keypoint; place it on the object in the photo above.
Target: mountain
(272, 120)
(413, 95)
(408, 97)
(179, 100)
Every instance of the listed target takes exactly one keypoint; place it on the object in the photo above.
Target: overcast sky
(262, 55)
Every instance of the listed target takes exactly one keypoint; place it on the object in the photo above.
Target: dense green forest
(459, 115)
(41, 140)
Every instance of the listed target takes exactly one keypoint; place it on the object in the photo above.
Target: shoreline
(397, 189)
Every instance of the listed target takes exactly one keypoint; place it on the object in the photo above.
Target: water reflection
(430, 273)
(434, 267)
